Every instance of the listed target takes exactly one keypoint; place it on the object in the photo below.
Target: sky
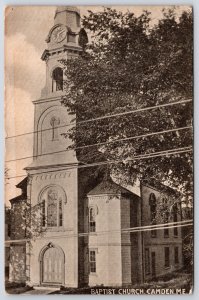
(26, 28)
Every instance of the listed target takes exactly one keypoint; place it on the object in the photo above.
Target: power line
(123, 230)
(138, 157)
(135, 137)
(103, 143)
(104, 117)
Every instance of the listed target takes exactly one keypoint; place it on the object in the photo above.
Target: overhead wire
(169, 225)
(103, 143)
(105, 117)
(88, 165)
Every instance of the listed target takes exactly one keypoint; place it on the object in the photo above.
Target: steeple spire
(61, 9)
(68, 16)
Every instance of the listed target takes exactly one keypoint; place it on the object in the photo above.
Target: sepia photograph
(98, 150)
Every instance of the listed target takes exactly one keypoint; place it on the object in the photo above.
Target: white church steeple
(62, 43)
(50, 116)
(53, 175)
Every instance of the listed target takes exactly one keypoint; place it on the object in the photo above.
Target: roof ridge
(115, 188)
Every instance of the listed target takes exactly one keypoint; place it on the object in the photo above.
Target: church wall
(82, 228)
(161, 270)
(58, 235)
(146, 191)
(158, 243)
(69, 247)
(131, 247)
(43, 141)
(106, 242)
(136, 250)
(126, 240)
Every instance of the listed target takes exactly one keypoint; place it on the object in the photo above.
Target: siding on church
(57, 236)
(117, 253)
(108, 244)
(126, 240)
(158, 243)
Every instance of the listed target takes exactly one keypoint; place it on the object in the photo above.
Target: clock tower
(52, 258)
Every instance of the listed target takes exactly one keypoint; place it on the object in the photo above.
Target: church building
(85, 240)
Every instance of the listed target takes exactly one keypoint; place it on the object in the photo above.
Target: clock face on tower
(58, 34)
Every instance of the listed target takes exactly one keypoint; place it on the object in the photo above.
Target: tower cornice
(64, 48)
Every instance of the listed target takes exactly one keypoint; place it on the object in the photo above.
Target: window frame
(61, 199)
(92, 262)
(166, 229)
(176, 255)
(55, 122)
(175, 219)
(56, 81)
(91, 222)
(147, 261)
(153, 204)
(167, 262)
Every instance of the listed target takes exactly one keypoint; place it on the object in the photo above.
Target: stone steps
(47, 287)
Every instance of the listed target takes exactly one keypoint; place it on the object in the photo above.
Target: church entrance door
(52, 266)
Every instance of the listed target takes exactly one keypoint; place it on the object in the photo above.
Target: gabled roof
(159, 186)
(107, 186)
(22, 184)
(18, 198)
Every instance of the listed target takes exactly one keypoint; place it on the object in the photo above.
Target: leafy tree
(129, 65)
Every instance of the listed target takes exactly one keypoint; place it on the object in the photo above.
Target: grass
(177, 280)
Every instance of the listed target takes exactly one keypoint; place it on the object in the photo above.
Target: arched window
(166, 220)
(57, 79)
(175, 218)
(54, 122)
(92, 224)
(52, 199)
(153, 204)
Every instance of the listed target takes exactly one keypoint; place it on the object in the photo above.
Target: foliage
(130, 65)
(26, 221)
(188, 250)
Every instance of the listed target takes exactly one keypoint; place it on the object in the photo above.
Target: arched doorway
(52, 265)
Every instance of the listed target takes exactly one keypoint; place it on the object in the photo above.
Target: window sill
(50, 229)
(93, 274)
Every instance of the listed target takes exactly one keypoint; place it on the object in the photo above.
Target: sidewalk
(40, 292)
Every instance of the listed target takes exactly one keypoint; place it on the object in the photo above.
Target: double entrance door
(52, 266)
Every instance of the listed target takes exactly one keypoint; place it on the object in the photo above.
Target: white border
(195, 4)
